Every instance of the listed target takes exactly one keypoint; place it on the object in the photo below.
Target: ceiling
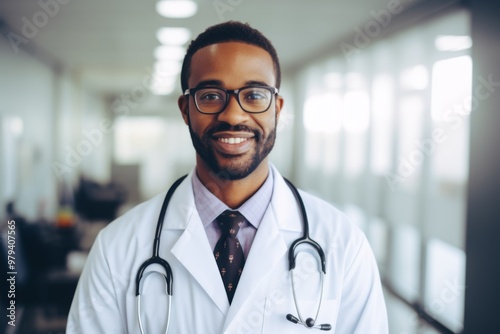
(110, 43)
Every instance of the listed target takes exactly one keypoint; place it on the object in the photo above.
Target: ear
(279, 102)
(183, 104)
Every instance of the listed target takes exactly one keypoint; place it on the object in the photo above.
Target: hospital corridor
(390, 114)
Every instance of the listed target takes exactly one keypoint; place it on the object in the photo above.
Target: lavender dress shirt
(210, 207)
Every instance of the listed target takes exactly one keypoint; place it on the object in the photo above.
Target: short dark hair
(231, 31)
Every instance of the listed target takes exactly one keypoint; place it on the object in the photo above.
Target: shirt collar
(210, 207)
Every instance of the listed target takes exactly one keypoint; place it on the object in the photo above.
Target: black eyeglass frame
(192, 91)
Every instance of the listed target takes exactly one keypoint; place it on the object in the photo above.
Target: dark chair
(96, 201)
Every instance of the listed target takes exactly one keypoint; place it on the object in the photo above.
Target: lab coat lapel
(268, 248)
(192, 249)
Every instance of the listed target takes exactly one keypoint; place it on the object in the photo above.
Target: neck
(233, 193)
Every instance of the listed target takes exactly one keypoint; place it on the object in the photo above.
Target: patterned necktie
(228, 251)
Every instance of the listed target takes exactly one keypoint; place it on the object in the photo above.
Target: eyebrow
(219, 83)
(209, 83)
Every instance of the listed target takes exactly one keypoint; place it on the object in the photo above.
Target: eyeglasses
(213, 100)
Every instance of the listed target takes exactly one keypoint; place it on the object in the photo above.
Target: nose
(233, 114)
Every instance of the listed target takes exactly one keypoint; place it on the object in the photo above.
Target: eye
(256, 95)
(210, 95)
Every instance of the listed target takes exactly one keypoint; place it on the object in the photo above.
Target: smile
(232, 140)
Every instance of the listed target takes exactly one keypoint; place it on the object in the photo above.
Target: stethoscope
(292, 255)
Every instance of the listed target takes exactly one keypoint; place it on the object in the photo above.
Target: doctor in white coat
(232, 137)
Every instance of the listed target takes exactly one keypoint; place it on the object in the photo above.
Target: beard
(234, 169)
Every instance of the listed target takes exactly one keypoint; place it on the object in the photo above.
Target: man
(230, 223)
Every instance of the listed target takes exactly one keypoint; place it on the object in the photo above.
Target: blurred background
(390, 114)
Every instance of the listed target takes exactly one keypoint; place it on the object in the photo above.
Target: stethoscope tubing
(169, 278)
(301, 318)
(156, 259)
(305, 239)
(138, 302)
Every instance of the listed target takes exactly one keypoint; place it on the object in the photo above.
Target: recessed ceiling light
(176, 8)
(173, 36)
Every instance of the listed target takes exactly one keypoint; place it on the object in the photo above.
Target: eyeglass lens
(251, 99)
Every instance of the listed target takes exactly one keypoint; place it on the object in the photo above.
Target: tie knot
(230, 222)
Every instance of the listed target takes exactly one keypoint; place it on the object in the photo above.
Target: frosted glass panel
(377, 236)
(382, 123)
(331, 157)
(414, 78)
(410, 157)
(445, 283)
(322, 113)
(405, 264)
(356, 111)
(313, 149)
(399, 160)
(451, 106)
(356, 119)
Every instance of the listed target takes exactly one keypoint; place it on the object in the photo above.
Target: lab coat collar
(192, 249)
(181, 207)
(285, 205)
(268, 247)
(283, 202)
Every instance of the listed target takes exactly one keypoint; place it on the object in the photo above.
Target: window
(398, 164)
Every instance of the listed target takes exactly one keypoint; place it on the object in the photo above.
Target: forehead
(233, 64)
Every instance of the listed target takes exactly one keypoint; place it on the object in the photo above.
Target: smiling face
(233, 141)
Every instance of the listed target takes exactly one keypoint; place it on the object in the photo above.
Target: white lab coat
(105, 299)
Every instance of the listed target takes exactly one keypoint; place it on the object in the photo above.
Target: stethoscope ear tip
(291, 318)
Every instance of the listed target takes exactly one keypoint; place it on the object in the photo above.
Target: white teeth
(232, 140)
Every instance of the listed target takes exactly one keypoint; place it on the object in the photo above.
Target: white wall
(42, 145)
(26, 87)
(95, 133)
